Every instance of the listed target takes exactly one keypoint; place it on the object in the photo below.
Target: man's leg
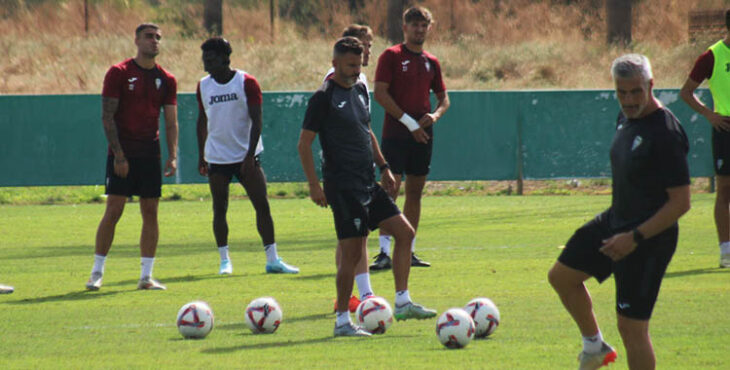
(218, 184)
(722, 218)
(350, 255)
(148, 243)
(412, 210)
(104, 238)
(382, 260)
(637, 341)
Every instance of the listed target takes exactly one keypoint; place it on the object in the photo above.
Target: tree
(395, 21)
(619, 21)
(213, 17)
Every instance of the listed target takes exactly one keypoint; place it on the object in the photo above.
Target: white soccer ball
(455, 328)
(263, 315)
(485, 315)
(195, 320)
(375, 315)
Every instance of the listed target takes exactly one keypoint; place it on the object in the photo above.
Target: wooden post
(213, 17)
(272, 19)
(618, 17)
(86, 17)
(395, 21)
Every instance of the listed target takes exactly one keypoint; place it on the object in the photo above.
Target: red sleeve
(197, 96)
(702, 69)
(171, 96)
(437, 85)
(253, 90)
(112, 83)
(384, 72)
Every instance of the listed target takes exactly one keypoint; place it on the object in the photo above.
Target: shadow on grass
(290, 343)
(715, 270)
(72, 296)
(317, 276)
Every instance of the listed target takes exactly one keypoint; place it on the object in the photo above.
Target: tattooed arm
(109, 108)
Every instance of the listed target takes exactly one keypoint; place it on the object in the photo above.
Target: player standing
(339, 113)
(636, 237)
(403, 80)
(714, 66)
(229, 144)
(134, 91)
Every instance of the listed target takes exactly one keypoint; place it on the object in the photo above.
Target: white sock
(147, 263)
(593, 344)
(271, 255)
(385, 244)
(402, 297)
(224, 253)
(413, 245)
(98, 264)
(343, 318)
(725, 247)
(363, 285)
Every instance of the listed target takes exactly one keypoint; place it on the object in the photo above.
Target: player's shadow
(715, 270)
(72, 296)
(290, 343)
(180, 279)
(331, 275)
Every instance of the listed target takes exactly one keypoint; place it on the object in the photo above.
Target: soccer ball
(375, 315)
(455, 328)
(485, 315)
(195, 320)
(263, 315)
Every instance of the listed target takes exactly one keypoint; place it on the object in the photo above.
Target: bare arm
(386, 177)
(621, 245)
(255, 112)
(687, 93)
(171, 133)
(304, 146)
(109, 108)
(202, 131)
(443, 105)
(383, 97)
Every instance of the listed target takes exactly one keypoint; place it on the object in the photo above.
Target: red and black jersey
(703, 67)
(141, 93)
(411, 77)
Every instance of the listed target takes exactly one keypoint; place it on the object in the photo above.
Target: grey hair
(632, 65)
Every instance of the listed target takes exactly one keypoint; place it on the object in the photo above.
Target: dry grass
(489, 44)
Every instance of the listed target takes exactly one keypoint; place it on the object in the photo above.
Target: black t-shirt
(648, 155)
(341, 118)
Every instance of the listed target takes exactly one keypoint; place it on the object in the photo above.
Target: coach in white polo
(229, 127)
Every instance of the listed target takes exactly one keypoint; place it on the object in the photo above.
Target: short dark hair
(218, 45)
(357, 30)
(727, 18)
(416, 14)
(145, 26)
(347, 44)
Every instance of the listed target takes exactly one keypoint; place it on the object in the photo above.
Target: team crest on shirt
(158, 83)
(404, 64)
(636, 143)
(428, 66)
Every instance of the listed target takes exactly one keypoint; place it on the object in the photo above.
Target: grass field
(499, 247)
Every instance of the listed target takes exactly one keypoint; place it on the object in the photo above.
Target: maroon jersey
(411, 76)
(702, 69)
(141, 93)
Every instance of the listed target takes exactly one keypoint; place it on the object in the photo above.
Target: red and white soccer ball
(485, 315)
(374, 315)
(195, 320)
(263, 315)
(455, 328)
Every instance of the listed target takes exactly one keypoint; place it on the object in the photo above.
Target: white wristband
(409, 122)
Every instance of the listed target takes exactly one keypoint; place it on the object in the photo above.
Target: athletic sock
(271, 255)
(384, 244)
(725, 247)
(342, 318)
(98, 264)
(363, 285)
(593, 344)
(402, 297)
(413, 245)
(224, 253)
(147, 263)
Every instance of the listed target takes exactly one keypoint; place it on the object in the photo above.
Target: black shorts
(721, 152)
(638, 276)
(356, 212)
(230, 169)
(408, 156)
(144, 178)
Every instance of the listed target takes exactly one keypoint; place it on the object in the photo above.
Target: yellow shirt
(720, 79)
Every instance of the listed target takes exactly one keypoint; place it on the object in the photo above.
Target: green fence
(486, 135)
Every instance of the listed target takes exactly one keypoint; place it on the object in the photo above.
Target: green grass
(499, 247)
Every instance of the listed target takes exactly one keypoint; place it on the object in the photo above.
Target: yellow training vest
(720, 79)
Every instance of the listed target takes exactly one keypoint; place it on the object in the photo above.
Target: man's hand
(121, 167)
(719, 122)
(170, 166)
(317, 195)
(387, 181)
(202, 166)
(619, 246)
(420, 136)
(248, 165)
(427, 120)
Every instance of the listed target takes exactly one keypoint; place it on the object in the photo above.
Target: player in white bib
(229, 144)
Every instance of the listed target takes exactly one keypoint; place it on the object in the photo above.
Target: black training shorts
(144, 178)
(358, 211)
(408, 156)
(721, 152)
(230, 169)
(638, 276)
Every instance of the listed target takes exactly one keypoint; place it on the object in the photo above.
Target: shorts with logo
(231, 169)
(638, 276)
(143, 179)
(356, 212)
(721, 152)
(408, 156)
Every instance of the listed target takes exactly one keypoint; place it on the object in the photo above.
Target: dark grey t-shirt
(341, 118)
(648, 155)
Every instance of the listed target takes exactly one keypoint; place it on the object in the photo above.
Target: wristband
(409, 122)
(384, 167)
(638, 236)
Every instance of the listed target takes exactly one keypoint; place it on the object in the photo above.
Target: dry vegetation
(487, 44)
